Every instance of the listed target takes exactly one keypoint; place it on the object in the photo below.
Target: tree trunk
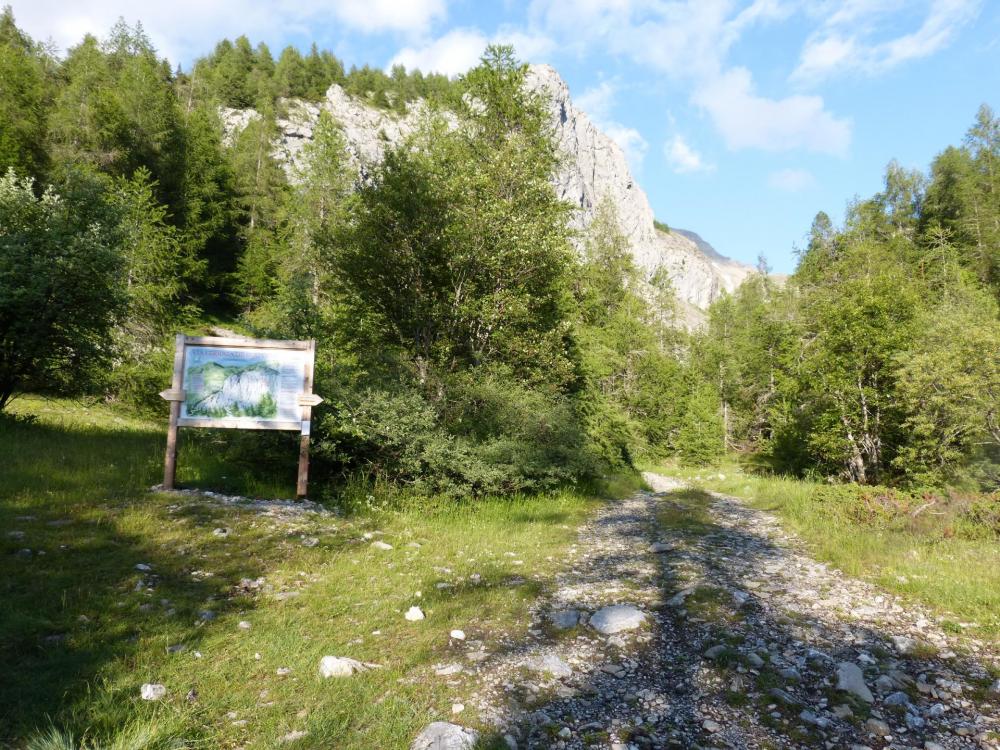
(855, 462)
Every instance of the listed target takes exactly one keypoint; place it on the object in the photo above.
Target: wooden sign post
(241, 383)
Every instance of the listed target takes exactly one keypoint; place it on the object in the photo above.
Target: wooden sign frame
(176, 395)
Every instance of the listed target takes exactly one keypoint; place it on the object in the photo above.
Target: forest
(465, 347)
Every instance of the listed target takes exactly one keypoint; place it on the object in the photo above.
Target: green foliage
(741, 354)
(59, 290)
(494, 437)
(633, 385)
(117, 112)
(442, 265)
(26, 88)
(158, 267)
(700, 438)
(240, 76)
(208, 209)
(964, 198)
(877, 362)
(949, 383)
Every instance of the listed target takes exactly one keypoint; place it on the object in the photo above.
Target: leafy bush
(490, 438)
(59, 288)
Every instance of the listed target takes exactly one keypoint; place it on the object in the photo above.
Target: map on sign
(242, 385)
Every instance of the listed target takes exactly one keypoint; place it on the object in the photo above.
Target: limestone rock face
(594, 168)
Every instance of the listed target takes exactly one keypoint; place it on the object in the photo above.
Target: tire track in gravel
(742, 647)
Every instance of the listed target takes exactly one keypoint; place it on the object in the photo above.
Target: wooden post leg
(303, 484)
(170, 462)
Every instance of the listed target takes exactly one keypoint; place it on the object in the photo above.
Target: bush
(59, 287)
(489, 437)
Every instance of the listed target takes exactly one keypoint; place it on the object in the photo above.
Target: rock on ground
(152, 691)
(851, 680)
(342, 666)
(414, 613)
(551, 664)
(443, 735)
(616, 618)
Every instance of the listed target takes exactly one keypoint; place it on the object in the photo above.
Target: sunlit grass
(81, 629)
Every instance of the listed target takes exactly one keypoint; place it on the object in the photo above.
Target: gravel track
(747, 642)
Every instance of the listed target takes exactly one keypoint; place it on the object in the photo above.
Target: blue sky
(741, 119)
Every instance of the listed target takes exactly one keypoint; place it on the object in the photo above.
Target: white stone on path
(414, 613)
(442, 735)
(448, 669)
(381, 545)
(144, 567)
(616, 618)
(851, 680)
(152, 691)
(905, 645)
(549, 663)
(458, 635)
(457, 708)
(292, 736)
(244, 625)
(659, 547)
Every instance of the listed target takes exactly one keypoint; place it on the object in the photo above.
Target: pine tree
(25, 99)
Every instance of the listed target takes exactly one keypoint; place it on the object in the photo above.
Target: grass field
(956, 574)
(81, 628)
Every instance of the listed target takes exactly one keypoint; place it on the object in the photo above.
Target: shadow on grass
(77, 521)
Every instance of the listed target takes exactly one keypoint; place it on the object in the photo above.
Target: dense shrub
(492, 438)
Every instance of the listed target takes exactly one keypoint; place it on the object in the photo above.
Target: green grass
(957, 577)
(81, 629)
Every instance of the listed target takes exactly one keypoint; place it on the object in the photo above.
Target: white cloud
(690, 41)
(451, 54)
(597, 102)
(791, 180)
(630, 141)
(460, 49)
(533, 48)
(683, 38)
(845, 41)
(682, 158)
(381, 15)
(181, 29)
(747, 120)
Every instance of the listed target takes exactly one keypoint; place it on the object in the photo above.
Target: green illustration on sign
(242, 385)
(220, 389)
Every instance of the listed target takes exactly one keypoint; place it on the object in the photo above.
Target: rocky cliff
(594, 168)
